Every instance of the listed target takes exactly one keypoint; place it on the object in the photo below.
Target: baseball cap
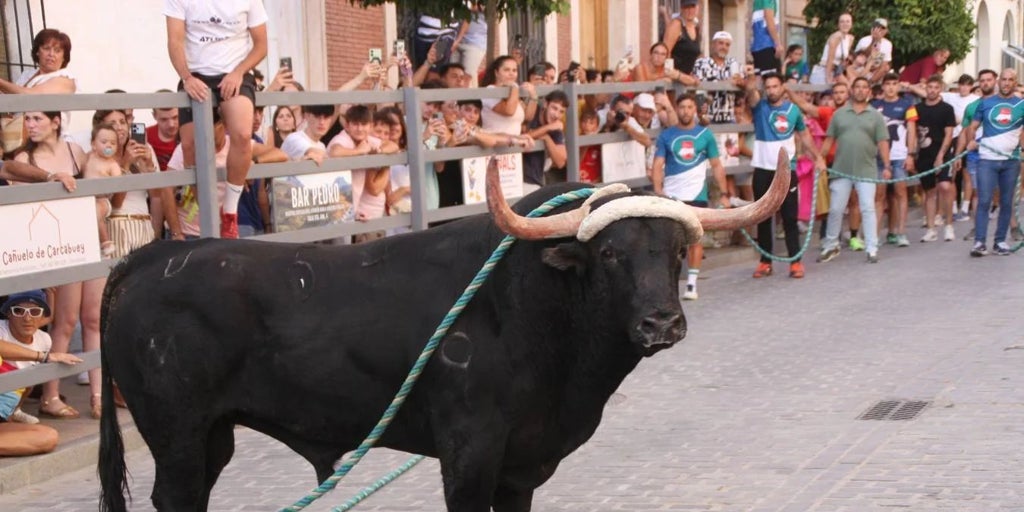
(645, 101)
(36, 297)
(723, 35)
(881, 22)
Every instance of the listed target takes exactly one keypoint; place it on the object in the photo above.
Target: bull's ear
(565, 256)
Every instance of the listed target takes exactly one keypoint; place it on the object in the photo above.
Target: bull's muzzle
(662, 329)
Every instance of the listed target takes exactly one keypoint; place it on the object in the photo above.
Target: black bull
(309, 343)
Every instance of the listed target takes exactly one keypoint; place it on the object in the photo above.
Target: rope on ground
(417, 369)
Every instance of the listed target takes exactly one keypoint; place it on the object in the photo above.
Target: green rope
(428, 350)
(814, 196)
(374, 487)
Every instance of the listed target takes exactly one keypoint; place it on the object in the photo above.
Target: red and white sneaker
(228, 225)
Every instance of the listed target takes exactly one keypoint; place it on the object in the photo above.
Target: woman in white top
(45, 149)
(836, 51)
(507, 115)
(51, 51)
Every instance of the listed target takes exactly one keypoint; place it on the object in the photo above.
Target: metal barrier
(206, 175)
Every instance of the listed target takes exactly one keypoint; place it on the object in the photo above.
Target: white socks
(231, 198)
(691, 278)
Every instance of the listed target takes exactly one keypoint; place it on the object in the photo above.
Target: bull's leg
(516, 486)
(508, 499)
(470, 460)
(219, 448)
(180, 480)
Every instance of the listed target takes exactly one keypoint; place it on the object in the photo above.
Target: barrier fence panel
(206, 175)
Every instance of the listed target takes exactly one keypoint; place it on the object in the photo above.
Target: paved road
(757, 410)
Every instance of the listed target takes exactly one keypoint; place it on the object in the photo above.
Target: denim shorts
(898, 170)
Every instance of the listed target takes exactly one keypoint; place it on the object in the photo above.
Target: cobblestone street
(757, 409)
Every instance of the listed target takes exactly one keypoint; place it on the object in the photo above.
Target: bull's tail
(112, 470)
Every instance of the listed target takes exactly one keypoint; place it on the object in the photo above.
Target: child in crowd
(796, 67)
(590, 156)
(102, 164)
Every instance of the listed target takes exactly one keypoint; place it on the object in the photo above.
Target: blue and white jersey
(759, 26)
(686, 153)
(775, 128)
(1001, 119)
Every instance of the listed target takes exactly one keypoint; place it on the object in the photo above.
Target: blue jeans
(992, 174)
(246, 230)
(840, 195)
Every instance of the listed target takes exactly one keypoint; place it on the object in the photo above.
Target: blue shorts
(899, 172)
(8, 403)
(972, 164)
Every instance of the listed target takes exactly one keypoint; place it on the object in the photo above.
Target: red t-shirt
(825, 119)
(163, 150)
(920, 70)
(590, 164)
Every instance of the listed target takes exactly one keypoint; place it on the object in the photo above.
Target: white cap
(721, 34)
(646, 101)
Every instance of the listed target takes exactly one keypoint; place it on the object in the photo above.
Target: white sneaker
(930, 236)
(949, 235)
(20, 416)
(736, 202)
(83, 379)
(690, 293)
(939, 221)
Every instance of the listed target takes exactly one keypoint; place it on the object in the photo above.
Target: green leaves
(916, 27)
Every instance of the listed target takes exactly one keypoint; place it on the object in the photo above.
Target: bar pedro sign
(312, 200)
(48, 235)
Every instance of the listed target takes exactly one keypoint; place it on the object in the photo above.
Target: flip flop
(64, 413)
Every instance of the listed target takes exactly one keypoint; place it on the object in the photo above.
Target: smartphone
(442, 47)
(670, 64)
(399, 48)
(517, 42)
(376, 55)
(139, 132)
(286, 62)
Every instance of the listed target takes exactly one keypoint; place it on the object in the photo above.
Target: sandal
(66, 412)
(96, 406)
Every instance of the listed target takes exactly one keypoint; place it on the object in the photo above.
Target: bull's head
(632, 246)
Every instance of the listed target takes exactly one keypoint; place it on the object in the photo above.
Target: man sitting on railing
(212, 46)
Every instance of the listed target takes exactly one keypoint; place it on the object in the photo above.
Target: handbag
(822, 195)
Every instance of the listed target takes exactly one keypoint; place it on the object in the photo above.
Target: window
(19, 21)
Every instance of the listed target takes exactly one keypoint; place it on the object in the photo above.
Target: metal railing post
(417, 166)
(572, 134)
(206, 169)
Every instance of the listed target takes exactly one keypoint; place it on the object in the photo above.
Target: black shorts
(930, 181)
(247, 89)
(765, 61)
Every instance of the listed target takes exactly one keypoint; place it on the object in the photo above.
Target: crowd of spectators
(909, 130)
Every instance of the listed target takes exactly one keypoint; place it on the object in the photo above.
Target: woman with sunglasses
(23, 344)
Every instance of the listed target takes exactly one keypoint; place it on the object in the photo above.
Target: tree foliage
(916, 27)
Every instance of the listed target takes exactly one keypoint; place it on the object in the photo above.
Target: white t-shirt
(371, 206)
(959, 104)
(216, 32)
(297, 143)
(496, 123)
(188, 207)
(32, 77)
(41, 342)
(884, 47)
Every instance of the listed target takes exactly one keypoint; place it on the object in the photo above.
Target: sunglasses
(20, 311)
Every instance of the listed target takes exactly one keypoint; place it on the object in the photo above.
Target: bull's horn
(536, 228)
(735, 218)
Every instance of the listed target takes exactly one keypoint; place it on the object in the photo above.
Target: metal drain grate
(894, 410)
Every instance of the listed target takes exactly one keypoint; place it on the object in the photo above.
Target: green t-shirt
(856, 139)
